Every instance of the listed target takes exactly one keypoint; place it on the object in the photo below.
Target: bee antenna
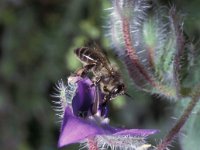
(128, 95)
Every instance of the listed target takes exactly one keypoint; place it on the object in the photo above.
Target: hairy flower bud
(150, 41)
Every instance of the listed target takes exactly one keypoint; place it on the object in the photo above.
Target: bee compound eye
(118, 89)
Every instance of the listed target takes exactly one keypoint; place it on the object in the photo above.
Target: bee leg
(83, 71)
(96, 82)
(80, 72)
(90, 66)
(106, 98)
(97, 96)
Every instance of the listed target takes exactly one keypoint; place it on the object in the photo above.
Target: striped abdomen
(87, 55)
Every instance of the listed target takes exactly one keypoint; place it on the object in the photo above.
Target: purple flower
(80, 123)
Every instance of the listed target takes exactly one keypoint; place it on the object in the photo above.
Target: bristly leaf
(180, 46)
(190, 74)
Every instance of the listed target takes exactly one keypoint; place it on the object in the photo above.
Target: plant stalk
(92, 144)
(175, 130)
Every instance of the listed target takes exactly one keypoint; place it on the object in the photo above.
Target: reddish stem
(151, 56)
(92, 144)
(130, 50)
(132, 53)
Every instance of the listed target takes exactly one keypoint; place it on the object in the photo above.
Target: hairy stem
(175, 130)
(130, 50)
(92, 144)
(132, 53)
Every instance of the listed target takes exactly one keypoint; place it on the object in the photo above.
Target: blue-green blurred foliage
(189, 138)
(37, 38)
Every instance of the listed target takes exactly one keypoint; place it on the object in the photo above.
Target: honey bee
(106, 76)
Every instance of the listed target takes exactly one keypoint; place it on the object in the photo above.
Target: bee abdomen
(86, 55)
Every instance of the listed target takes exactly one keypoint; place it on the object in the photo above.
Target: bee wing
(104, 60)
(101, 53)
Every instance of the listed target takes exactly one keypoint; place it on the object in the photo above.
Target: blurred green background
(37, 39)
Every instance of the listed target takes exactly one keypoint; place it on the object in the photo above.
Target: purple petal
(75, 129)
(84, 97)
(136, 132)
(131, 132)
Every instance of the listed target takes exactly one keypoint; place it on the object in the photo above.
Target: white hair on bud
(135, 12)
(64, 94)
(121, 142)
